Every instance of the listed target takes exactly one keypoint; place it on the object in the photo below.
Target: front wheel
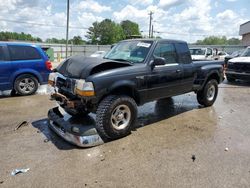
(115, 116)
(208, 94)
(26, 84)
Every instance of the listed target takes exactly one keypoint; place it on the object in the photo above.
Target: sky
(188, 20)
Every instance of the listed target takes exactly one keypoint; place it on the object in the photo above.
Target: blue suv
(23, 67)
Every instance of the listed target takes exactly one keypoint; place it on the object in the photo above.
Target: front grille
(67, 84)
(239, 67)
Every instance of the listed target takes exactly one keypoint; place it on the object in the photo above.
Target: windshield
(132, 51)
(197, 51)
(246, 53)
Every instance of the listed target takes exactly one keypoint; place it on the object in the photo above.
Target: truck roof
(158, 40)
(17, 43)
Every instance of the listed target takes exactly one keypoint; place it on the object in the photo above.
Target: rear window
(2, 56)
(23, 53)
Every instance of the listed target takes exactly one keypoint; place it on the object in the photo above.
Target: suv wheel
(26, 84)
(115, 116)
(208, 94)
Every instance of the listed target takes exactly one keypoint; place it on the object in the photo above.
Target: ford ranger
(132, 73)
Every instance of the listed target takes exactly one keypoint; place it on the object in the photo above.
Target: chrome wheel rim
(120, 117)
(26, 85)
(211, 93)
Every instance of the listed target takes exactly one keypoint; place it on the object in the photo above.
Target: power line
(41, 24)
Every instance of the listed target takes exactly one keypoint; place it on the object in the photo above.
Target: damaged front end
(81, 134)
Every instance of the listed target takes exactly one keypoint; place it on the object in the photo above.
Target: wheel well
(126, 90)
(23, 74)
(214, 76)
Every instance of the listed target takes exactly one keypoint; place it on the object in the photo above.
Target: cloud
(170, 3)
(92, 5)
(140, 2)
(190, 22)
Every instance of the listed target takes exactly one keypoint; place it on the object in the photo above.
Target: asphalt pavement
(177, 143)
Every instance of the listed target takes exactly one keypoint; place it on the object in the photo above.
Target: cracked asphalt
(177, 143)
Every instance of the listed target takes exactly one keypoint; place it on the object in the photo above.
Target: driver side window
(167, 51)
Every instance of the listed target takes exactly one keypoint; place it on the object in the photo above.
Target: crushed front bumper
(87, 135)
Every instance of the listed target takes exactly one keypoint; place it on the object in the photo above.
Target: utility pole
(67, 29)
(150, 23)
(152, 35)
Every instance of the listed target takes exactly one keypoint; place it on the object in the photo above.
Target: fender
(122, 83)
(25, 71)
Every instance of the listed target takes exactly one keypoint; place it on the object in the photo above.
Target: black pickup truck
(132, 73)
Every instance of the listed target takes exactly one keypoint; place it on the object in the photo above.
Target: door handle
(178, 71)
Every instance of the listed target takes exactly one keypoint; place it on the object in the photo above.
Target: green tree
(77, 40)
(8, 36)
(213, 40)
(130, 28)
(105, 32)
(233, 41)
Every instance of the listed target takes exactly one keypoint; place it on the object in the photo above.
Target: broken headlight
(85, 89)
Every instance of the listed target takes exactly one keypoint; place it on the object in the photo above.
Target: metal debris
(46, 140)
(18, 171)
(226, 149)
(24, 123)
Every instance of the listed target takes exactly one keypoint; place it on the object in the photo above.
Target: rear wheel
(26, 84)
(116, 116)
(208, 94)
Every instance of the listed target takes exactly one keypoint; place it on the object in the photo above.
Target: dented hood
(81, 67)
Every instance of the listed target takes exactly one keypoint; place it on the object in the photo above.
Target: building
(245, 33)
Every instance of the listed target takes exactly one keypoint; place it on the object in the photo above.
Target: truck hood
(81, 67)
(240, 60)
(198, 57)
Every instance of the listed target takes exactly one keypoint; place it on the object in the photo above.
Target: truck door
(165, 80)
(209, 54)
(5, 69)
(189, 72)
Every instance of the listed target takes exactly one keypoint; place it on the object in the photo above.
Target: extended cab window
(23, 53)
(167, 51)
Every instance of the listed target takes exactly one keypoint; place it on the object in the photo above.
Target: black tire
(77, 113)
(230, 79)
(111, 112)
(26, 84)
(208, 94)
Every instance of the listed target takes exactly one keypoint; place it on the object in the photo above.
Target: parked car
(239, 67)
(233, 55)
(23, 67)
(221, 55)
(134, 72)
(201, 54)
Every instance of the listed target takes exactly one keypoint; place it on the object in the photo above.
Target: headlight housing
(52, 78)
(85, 89)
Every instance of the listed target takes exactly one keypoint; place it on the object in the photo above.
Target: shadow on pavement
(149, 113)
(42, 126)
(236, 84)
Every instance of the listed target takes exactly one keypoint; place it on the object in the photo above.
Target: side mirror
(158, 61)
